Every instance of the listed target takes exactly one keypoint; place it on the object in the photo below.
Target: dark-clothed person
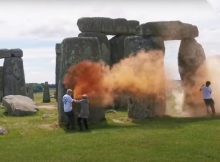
(83, 112)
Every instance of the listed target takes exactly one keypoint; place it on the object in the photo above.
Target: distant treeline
(39, 87)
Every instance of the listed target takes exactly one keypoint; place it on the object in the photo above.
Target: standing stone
(140, 107)
(193, 73)
(30, 90)
(152, 104)
(168, 30)
(117, 48)
(1, 83)
(121, 101)
(133, 44)
(107, 26)
(13, 77)
(117, 54)
(104, 44)
(46, 93)
(73, 51)
(58, 58)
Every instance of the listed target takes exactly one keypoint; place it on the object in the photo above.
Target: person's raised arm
(202, 87)
(76, 101)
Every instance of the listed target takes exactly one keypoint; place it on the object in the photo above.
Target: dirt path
(47, 106)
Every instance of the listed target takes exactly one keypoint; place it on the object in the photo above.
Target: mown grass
(38, 138)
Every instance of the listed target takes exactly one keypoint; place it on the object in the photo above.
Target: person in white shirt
(207, 96)
(68, 109)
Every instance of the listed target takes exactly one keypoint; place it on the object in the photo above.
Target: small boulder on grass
(3, 131)
(19, 105)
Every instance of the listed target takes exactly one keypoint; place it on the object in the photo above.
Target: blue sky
(35, 27)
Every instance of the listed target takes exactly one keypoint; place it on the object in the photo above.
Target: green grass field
(38, 138)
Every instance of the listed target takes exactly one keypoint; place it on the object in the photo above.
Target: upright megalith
(151, 103)
(13, 76)
(168, 30)
(46, 93)
(58, 59)
(12, 73)
(125, 46)
(133, 44)
(117, 48)
(104, 44)
(193, 72)
(107, 26)
(30, 90)
(1, 83)
(73, 51)
(130, 38)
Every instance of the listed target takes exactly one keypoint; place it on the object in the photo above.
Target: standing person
(83, 113)
(207, 96)
(68, 109)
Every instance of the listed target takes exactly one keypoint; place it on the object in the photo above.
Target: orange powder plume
(139, 74)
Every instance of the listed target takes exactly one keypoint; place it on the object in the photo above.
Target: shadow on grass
(156, 123)
(172, 122)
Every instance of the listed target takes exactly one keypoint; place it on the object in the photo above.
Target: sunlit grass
(38, 138)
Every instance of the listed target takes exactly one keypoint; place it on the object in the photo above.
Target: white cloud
(39, 53)
(215, 4)
(52, 21)
(39, 64)
(57, 20)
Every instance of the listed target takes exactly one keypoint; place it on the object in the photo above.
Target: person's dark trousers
(85, 122)
(213, 110)
(212, 103)
(70, 120)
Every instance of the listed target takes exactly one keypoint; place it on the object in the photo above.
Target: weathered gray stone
(46, 93)
(140, 107)
(58, 58)
(6, 53)
(133, 44)
(122, 47)
(145, 106)
(191, 56)
(1, 83)
(16, 53)
(104, 44)
(3, 131)
(19, 105)
(117, 54)
(117, 48)
(168, 30)
(121, 102)
(96, 114)
(30, 90)
(107, 25)
(14, 80)
(193, 73)
(73, 51)
(150, 103)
